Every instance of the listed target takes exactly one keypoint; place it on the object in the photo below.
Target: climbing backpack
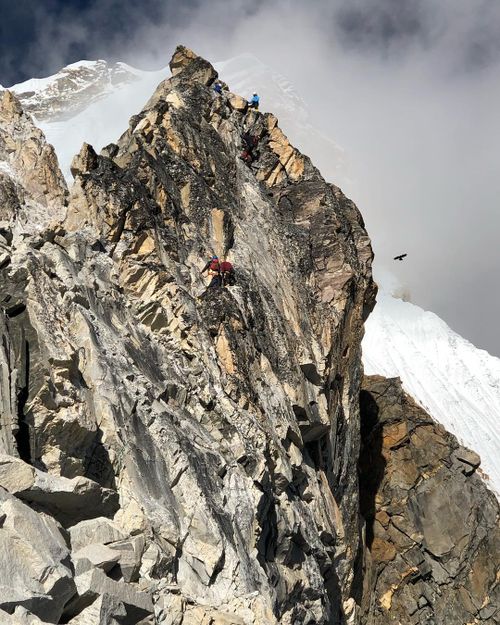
(228, 274)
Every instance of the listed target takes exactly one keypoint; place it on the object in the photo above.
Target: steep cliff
(173, 454)
(225, 420)
(432, 531)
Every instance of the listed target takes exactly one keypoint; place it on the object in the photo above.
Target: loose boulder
(69, 501)
(36, 573)
(98, 530)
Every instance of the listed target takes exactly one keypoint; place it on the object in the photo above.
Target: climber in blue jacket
(254, 102)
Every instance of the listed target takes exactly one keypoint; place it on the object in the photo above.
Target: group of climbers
(252, 104)
(249, 141)
(221, 272)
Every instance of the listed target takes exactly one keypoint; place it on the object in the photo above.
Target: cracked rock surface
(432, 525)
(172, 454)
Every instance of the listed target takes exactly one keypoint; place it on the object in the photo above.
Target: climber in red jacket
(213, 267)
(249, 143)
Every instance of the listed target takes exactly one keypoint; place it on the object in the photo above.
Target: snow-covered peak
(457, 383)
(72, 89)
(89, 101)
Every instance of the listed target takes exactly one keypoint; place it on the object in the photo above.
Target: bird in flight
(400, 257)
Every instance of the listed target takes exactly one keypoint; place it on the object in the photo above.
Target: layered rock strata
(225, 421)
(432, 530)
(177, 455)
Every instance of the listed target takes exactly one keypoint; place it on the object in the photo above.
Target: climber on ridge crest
(254, 102)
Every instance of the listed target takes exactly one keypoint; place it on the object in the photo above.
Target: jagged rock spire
(194, 67)
(223, 422)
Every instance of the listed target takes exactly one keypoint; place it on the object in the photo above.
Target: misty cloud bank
(409, 89)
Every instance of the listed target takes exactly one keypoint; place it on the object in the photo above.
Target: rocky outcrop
(32, 188)
(225, 421)
(193, 451)
(32, 203)
(432, 529)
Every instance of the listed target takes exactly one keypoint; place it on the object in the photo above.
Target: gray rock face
(227, 423)
(219, 428)
(432, 525)
(36, 572)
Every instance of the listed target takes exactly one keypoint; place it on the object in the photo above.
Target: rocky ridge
(226, 424)
(187, 455)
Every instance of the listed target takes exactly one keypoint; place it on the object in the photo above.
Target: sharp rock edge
(172, 454)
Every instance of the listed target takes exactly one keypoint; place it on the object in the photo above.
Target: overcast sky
(409, 88)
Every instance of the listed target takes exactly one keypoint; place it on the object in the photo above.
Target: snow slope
(91, 101)
(457, 383)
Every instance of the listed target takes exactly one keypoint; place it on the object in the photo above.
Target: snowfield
(457, 383)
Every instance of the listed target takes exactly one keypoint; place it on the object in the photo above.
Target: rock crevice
(193, 451)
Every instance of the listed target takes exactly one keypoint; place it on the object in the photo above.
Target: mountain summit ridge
(198, 411)
(191, 454)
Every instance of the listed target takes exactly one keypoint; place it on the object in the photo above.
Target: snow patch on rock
(457, 383)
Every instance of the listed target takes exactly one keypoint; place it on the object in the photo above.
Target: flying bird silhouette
(400, 257)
